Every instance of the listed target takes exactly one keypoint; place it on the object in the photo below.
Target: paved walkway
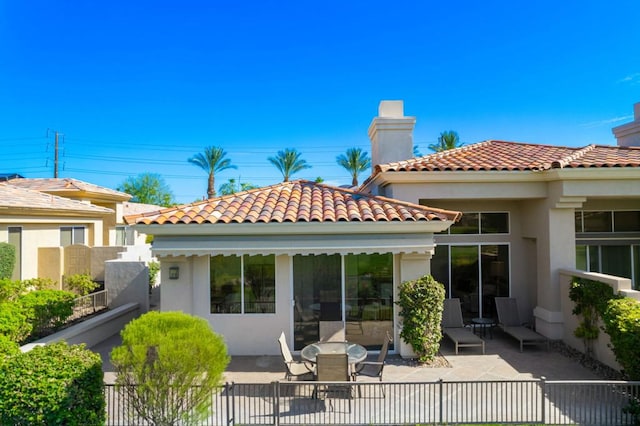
(502, 361)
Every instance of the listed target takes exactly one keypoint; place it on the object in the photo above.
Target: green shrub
(52, 385)
(154, 269)
(622, 324)
(10, 290)
(421, 302)
(7, 260)
(13, 322)
(590, 299)
(7, 348)
(81, 284)
(46, 309)
(168, 365)
(40, 284)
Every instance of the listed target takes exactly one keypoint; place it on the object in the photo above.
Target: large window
(474, 223)
(615, 250)
(475, 274)
(71, 235)
(242, 284)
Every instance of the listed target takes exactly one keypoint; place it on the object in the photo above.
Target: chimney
(391, 134)
(629, 134)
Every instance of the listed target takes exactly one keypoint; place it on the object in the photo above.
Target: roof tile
(297, 201)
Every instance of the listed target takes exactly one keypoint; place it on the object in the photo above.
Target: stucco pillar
(556, 251)
(412, 266)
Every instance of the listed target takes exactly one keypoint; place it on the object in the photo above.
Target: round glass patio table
(355, 351)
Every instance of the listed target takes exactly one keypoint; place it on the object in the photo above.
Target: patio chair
(373, 368)
(333, 368)
(509, 321)
(293, 368)
(331, 331)
(453, 326)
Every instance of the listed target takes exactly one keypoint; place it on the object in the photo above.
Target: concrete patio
(502, 361)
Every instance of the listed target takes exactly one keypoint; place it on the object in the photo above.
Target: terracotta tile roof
(66, 185)
(297, 201)
(514, 156)
(12, 197)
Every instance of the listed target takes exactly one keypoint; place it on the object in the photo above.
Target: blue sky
(141, 86)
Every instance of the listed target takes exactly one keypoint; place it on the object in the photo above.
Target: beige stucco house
(285, 257)
(40, 216)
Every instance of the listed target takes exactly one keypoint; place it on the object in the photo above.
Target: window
(608, 221)
(71, 235)
(618, 260)
(474, 223)
(243, 284)
(15, 239)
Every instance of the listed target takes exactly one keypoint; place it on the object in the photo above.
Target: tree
(416, 151)
(447, 140)
(231, 187)
(355, 161)
(289, 162)
(148, 188)
(168, 366)
(213, 160)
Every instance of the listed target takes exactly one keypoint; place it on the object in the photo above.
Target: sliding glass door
(363, 300)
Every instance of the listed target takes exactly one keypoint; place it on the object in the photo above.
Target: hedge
(52, 385)
(622, 323)
(13, 322)
(46, 309)
(7, 260)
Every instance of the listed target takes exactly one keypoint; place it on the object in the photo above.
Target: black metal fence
(441, 402)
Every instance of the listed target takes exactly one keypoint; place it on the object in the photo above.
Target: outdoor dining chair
(293, 368)
(331, 331)
(373, 368)
(333, 368)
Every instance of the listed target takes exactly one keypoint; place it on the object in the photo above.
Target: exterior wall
(127, 282)
(407, 267)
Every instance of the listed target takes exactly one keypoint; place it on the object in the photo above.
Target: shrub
(81, 284)
(13, 322)
(7, 348)
(622, 324)
(590, 298)
(421, 302)
(7, 260)
(10, 290)
(40, 284)
(168, 365)
(154, 269)
(52, 385)
(46, 309)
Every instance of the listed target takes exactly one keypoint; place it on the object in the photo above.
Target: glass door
(317, 291)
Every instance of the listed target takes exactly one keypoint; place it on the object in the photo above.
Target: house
(288, 256)
(40, 216)
(529, 210)
(32, 219)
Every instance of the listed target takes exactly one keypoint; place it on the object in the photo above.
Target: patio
(502, 361)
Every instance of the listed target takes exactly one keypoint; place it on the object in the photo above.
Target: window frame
(479, 223)
(75, 229)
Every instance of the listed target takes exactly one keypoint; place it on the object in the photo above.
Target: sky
(140, 87)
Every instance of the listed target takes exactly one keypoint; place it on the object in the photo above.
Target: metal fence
(441, 402)
(89, 304)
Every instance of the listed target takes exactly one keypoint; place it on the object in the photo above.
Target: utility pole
(55, 160)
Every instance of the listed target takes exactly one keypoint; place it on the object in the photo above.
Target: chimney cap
(391, 109)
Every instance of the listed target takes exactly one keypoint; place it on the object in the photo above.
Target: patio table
(356, 352)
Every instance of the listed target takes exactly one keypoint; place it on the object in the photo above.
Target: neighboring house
(284, 257)
(32, 219)
(287, 256)
(528, 211)
(98, 222)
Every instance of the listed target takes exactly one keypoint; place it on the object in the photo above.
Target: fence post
(228, 389)
(543, 385)
(441, 385)
(276, 403)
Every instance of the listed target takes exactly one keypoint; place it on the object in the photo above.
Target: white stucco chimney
(391, 134)
(629, 134)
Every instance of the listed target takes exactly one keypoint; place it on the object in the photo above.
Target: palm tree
(355, 162)
(289, 162)
(212, 161)
(231, 187)
(447, 140)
